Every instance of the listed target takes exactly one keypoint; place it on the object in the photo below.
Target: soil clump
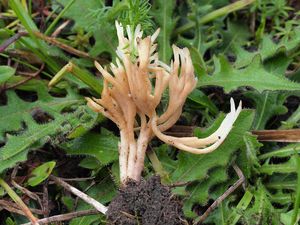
(146, 203)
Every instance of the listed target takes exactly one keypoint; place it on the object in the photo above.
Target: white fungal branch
(133, 88)
(201, 145)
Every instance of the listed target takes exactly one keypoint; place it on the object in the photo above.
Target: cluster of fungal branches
(132, 90)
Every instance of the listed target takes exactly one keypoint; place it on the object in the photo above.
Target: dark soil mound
(147, 203)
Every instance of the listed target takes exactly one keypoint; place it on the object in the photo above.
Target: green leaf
(200, 98)
(286, 218)
(41, 173)
(162, 12)
(247, 160)
(277, 65)
(31, 124)
(254, 75)
(9, 221)
(287, 167)
(21, 12)
(236, 34)
(267, 104)
(199, 192)
(262, 209)
(79, 11)
(17, 146)
(236, 214)
(292, 121)
(18, 111)
(90, 163)
(69, 202)
(20, 143)
(164, 154)
(266, 49)
(282, 152)
(106, 41)
(104, 146)
(6, 72)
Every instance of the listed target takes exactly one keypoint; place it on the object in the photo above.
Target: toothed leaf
(162, 12)
(254, 75)
(104, 146)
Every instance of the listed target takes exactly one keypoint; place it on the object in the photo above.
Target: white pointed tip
(155, 35)
(232, 105)
(240, 105)
(98, 66)
(238, 110)
(138, 27)
(175, 48)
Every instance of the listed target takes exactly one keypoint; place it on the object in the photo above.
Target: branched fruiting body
(128, 96)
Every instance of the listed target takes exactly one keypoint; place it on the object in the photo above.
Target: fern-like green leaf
(198, 193)
(19, 120)
(17, 146)
(267, 104)
(35, 133)
(104, 146)
(17, 111)
(254, 75)
(162, 12)
(262, 211)
(287, 167)
(266, 49)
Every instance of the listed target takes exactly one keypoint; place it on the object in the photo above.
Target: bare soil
(146, 203)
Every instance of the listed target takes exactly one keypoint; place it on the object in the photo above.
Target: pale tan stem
(123, 155)
(171, 120)
(142, 144)
(132, 156)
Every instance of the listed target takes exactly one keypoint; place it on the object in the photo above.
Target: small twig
(78, 179)
(179, 184)
(292, 135)
(240, 174)
(128, 214)
(63, 46)
(45, 199)
(27, 192)
(19, 201)
(181, 131)
(60, 28)
(14, 172)
(85, 190)
(11, 40)
(35, 74)
(65, 217)
(4, 203)
(11, 207)
(97, 205)
(218, 201)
